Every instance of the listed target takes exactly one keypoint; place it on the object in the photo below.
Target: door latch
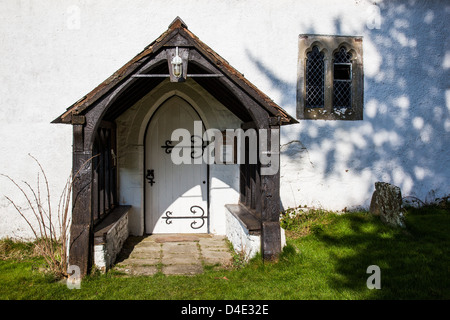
(150, 176)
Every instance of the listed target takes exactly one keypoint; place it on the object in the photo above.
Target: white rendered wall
(243, 242)
(53, 52)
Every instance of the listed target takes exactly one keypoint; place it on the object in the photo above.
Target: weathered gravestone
(387, 203)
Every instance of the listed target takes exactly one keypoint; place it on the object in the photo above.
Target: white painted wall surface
(244, 243)
(53, 52)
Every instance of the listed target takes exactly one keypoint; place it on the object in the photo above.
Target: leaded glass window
(342, 81)
(315, 79)
(330, 77)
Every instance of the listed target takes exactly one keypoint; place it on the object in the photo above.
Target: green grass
(326, 258)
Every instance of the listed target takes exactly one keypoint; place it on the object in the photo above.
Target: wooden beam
(113, 171)
(189, 75)
(257, 112)
(258, 193)
(275, 121)
(248, 125)
(270, 240)
(81, 227)
(78, 119)
(78, 138)
(242, 194)
(270, 193)
(245, 216)
(151, 76)
(106, 124)
(95, 184)
(94, 115)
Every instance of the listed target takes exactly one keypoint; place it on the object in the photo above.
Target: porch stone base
(243, 230)
(109, 237)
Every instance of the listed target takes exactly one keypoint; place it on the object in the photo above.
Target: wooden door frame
(144, 189)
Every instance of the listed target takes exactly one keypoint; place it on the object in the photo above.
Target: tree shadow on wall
(406, 128)
(403, 140)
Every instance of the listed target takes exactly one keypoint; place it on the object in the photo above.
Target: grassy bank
(326, 258)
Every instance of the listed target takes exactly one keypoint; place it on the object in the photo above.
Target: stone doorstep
(211, 243)
(149, 246)
(146, 248)
(180, 248)
(181, 259)
(214, 249)
(145, 255)
(214, 257)
(139, 262)
(173, 254)
(182, 269)
(141, 270)
(163, 238)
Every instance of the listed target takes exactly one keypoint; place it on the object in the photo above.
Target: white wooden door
(177, 200)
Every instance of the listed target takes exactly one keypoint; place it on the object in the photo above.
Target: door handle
(150, 176)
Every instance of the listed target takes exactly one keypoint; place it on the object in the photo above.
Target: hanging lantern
(177, 65)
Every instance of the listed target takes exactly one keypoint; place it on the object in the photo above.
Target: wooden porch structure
(94, 134)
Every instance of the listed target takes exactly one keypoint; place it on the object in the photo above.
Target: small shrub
(317, 228)
(289, 250)
(301, 221)
(18, 250)
(239, 257)
(50, 226)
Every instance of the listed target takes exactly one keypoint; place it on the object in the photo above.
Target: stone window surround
(329, 45)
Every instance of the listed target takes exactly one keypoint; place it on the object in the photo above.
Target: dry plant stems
(50, 242)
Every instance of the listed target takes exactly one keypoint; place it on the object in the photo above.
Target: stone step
(173, 254)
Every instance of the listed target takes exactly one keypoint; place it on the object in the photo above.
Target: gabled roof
(176, 28)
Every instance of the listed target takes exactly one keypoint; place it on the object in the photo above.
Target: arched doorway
(176, 195)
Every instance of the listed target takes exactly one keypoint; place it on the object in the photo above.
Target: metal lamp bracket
(183, 53)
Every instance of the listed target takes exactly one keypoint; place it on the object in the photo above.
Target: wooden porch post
(270, 224)
(81, 228)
